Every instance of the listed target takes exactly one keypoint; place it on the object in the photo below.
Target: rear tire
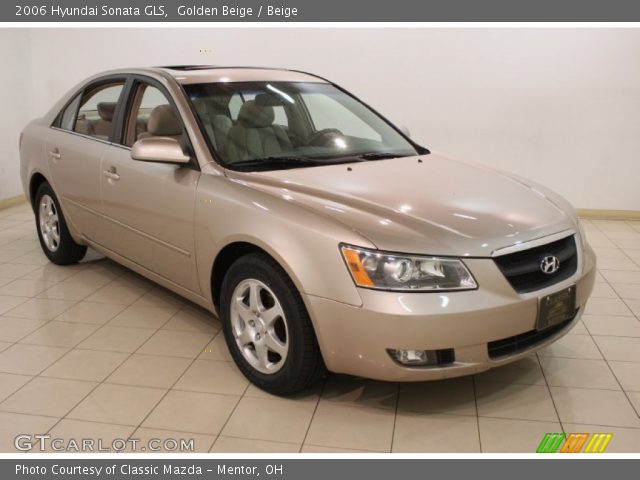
(55, 240)
(271, 337)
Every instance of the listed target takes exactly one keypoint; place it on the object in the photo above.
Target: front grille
(522, 341)
(522, 269)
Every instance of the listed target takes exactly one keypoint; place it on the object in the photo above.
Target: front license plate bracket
(556, 308)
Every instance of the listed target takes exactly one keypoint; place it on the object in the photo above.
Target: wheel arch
(232, 252)
(35, 181)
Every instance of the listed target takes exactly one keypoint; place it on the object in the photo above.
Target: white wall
(561, 106)
(14, 50)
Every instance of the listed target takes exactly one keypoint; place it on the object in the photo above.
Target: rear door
(149, 207)
(76, 144)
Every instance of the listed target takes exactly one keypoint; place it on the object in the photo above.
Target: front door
(148, 208)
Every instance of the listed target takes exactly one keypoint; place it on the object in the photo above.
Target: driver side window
(151, 115)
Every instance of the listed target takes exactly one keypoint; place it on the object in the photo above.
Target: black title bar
(319, 11)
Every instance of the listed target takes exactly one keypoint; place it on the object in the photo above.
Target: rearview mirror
(158, 149)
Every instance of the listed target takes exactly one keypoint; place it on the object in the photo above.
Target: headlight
(387, 271)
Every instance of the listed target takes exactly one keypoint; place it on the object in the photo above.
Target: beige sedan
(322, 236)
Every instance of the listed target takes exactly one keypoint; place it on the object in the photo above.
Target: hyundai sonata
(319, 233)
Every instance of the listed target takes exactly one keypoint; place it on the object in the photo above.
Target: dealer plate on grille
(556, 308)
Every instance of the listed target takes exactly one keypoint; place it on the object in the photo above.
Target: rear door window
(97, 109)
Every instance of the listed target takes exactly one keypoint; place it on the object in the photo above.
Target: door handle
(111, 174)
(55, 154)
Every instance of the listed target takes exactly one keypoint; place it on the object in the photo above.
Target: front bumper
(354, 340)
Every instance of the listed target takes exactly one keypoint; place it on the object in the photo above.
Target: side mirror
(405, 130)
(158, 149)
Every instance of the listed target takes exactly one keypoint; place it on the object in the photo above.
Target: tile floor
(96, 351)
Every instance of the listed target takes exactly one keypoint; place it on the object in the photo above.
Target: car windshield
(277, 125)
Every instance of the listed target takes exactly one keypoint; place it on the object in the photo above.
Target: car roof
(186, 74)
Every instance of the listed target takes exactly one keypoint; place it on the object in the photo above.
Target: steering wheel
(319, 138)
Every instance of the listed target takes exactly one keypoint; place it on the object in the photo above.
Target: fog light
(422, 358)
(410, 357)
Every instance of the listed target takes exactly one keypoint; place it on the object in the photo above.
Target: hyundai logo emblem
(550, 264)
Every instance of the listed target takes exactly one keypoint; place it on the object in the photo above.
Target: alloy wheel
(49, 223)
(259, 326)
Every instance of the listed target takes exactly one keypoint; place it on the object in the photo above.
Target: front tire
(55, 240)
(267, 327)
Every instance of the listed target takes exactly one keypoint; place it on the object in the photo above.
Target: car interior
(252, 133)
(255, 134)
(151, 115)
(97, 123)
(240, 126)
(216, 119)
(96, 110)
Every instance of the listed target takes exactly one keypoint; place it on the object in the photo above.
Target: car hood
(428, 204)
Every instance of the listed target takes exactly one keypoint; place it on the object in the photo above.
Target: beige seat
(102, 127)
(162, 123)
(83, 125)
(255, 135)
(216, 121)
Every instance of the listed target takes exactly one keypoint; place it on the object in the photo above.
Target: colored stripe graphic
(598, 443)
(574, 442)
(550, 443)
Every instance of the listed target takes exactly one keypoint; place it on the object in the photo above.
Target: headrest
(269, 100)
(217, 103)
(105, 110)
(201, 106)
(255, 116)
(208, 107)
(163, 122)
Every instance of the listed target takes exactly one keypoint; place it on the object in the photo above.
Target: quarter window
(68, 119)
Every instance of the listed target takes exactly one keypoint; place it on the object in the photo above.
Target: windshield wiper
(379, 155)
(274, 162)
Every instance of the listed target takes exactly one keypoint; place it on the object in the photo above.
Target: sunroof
(209, 67)
(189, 67)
